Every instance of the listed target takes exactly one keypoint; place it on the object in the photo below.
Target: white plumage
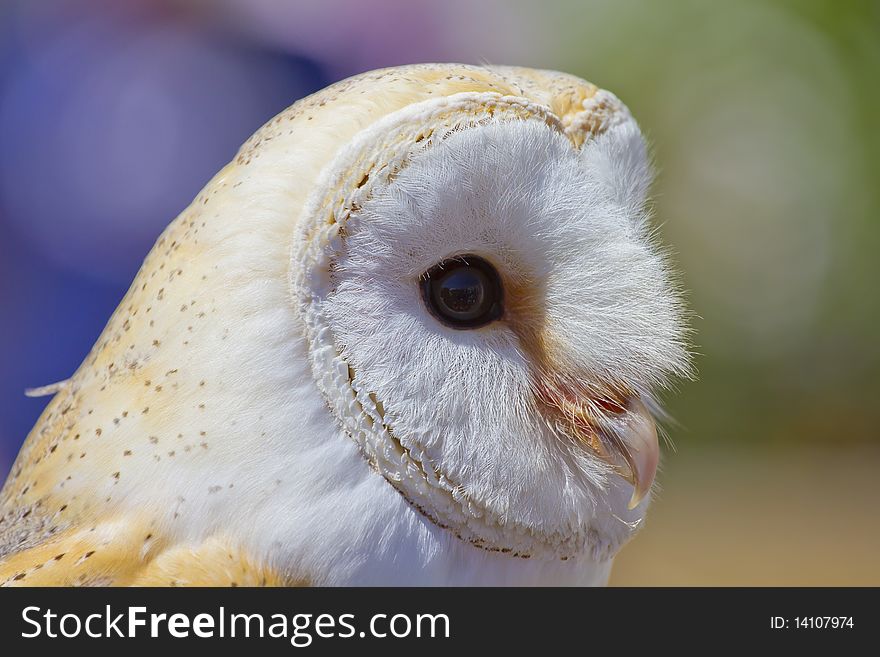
(283, 388)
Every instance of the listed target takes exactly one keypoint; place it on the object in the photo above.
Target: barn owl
(411, 334)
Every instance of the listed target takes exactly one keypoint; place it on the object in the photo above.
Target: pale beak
(634, 436)
(623, 434)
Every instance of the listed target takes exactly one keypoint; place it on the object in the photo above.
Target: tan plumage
(121, 553)
(147, 398)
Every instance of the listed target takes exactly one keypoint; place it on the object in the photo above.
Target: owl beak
(617, 428)
(636, 449)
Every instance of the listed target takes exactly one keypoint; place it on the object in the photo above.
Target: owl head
(421, 315)
(487, 313)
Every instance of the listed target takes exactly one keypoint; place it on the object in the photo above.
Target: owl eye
(463, 292)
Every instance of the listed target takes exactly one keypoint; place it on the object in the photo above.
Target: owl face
(487, 318)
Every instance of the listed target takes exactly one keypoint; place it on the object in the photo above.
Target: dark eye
(463, 292)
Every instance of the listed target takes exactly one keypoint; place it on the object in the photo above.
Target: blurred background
(763, 120)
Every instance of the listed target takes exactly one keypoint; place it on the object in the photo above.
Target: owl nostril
(463, 292)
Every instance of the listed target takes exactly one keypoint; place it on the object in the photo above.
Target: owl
(412, 334)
